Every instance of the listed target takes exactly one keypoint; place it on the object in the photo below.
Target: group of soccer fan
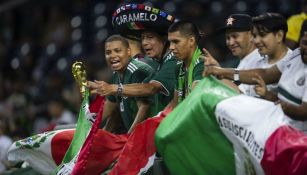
(172, 63)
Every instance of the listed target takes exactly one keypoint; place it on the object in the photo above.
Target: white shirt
(292, 86)
(5, 143)
(264, 63)
(249, 62)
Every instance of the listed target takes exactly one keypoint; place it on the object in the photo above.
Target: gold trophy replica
(79, 74)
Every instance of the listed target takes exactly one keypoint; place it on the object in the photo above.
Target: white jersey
(5, 143)
(292, 86)
(264, 63)
(249, 62)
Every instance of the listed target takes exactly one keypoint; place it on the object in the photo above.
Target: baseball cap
(131, 19)
(240, 22)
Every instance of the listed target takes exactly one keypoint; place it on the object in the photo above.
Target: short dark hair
(270, 22)
(163, 37)
(303, 28)
(118, 38)
(186, 28)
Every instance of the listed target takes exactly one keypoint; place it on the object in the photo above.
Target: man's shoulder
(169, 57)
(295, 54)
(251, 60)
(135, 65)
(169, 62)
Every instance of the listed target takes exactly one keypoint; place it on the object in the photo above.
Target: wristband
(236, 75)
(119, 89)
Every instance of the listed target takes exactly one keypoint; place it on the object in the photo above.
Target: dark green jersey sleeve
(138, 76)
(166, 76)
(112, 98)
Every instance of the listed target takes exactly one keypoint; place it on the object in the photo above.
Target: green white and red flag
(217, 131)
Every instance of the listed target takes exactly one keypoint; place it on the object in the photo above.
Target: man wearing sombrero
(150, 24)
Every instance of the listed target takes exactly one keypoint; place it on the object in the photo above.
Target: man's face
(265, 42)
(180, 45)
(238, 42)
(152, 44)
(117, 55)
(303, 47)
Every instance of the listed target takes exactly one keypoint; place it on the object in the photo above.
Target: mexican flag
(45, 151)
(138, 154)
(81, 132)
(134, 153)
(217, 131)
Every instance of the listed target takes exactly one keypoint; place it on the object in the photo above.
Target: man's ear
(129, 51)
(251, 37)
(192, 41)
(279, 36)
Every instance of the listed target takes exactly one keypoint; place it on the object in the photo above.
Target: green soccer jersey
(135, 72)
(151, 62)
(182, 79)
(165, 74)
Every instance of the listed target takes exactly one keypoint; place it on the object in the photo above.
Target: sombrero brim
(131, 19)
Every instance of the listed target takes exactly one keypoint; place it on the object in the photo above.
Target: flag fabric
(217, 131)
(81, 132)
(100, 149)
(105, 149)
(43, 151)
(46, 150)
(80, 166)
(138, 153)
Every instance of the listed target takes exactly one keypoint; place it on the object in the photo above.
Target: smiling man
(290, 73)
(154, 43)
(125, 71)
(239, 40)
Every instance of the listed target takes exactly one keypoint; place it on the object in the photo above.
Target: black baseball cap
(239, 22)
(131, 19)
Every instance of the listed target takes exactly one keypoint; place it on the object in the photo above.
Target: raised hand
(102, 88)
(92, 86)
(260, 88)
(209, 59)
